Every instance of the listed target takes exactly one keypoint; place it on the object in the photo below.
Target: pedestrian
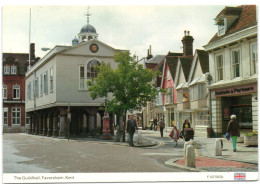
(175, 135)
(162, 126)
(155, 124)
(131, 127)
(186, 124)
(233, 130)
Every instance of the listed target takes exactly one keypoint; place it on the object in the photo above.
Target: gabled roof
(20, 58)
(174, 54)
(186, 65)
(204, 60)
(246, 19)
(172, 62)
(156, 59)
(230, 11)
(159, 66)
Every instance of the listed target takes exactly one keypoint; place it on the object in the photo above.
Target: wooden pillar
(55, 124)
(84, 124)
(50, 124)
(40, 124)
(44, 124)
(33, 123)
(37, 119)
(63, 123)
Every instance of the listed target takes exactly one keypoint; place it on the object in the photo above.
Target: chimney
(187, 42)
(149, 53)
(32, 51)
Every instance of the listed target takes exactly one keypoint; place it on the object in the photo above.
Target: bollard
(191, 142)
(190, 157)
(185, 148)
(218, 148)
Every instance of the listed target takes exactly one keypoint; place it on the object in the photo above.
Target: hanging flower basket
(220, 22)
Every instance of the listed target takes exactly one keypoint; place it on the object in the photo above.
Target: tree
(128, 86)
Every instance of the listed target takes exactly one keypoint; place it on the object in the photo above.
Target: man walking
(162, 126)
(155, 124)
(131, 126)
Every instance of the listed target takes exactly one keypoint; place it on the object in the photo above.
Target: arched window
(91, 72)
(87, 72)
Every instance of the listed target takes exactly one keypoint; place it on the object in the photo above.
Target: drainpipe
(209, 78)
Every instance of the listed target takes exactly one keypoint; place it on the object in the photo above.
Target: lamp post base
(106, 136)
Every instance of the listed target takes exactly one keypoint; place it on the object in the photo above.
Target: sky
(123, 26)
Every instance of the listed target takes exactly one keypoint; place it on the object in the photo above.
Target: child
(175, 134)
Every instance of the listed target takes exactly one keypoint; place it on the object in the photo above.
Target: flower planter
(241, 138)
(250, 140)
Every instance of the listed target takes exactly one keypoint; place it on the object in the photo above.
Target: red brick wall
(10, 81)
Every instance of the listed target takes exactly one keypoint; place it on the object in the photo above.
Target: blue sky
(122, 26)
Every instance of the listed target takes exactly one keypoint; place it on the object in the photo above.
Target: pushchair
(188, 134)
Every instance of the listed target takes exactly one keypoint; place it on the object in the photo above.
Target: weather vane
(88, 15)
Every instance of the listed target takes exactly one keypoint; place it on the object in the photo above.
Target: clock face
(93, 47)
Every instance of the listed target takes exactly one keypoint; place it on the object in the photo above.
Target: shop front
(238, 100)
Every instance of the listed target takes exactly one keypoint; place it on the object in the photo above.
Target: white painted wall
(66, 76)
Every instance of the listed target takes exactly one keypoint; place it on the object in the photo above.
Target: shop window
(254, 59)
(235, 57)
(244, 115)
(16, 115)
(219, 60)
(16, 92)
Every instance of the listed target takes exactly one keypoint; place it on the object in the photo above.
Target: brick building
(15, 66)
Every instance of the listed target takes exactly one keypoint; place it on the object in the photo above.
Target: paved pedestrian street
(25, 153)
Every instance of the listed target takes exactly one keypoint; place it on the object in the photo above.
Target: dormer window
(7, 70)
(221, 27)
(13, 70)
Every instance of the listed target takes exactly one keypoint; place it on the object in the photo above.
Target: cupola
(87, 32)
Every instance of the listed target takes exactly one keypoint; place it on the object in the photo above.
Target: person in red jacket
(175, 135)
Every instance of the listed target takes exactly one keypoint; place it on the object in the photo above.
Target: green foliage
(254, 133)
(129, 84)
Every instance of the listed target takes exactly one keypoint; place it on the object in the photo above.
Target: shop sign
(235, 90)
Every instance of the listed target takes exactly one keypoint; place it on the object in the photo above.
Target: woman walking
(233, 130)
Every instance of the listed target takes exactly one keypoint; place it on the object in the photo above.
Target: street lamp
(45, 49)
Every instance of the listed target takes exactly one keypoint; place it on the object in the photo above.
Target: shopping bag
(227, 136)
